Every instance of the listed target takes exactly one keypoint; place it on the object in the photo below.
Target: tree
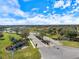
(71, 34)
(16, 29)
(25, 33)
(1, 34)
(42, 33)
(52, 30)
(0, 57)
(67, 32)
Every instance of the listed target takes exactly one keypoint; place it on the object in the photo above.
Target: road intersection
(55, 51)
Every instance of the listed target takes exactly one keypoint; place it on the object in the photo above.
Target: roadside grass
(66, 42)
(3, 44)
(70, 43)
(27, 53)
(53, 36)
(15, 35)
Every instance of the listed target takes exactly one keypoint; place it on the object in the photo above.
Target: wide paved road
(56, 51)
(35, 40)
(59, 52)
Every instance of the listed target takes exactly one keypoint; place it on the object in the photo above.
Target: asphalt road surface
(35, 40)
(59, 52)
(56, 51)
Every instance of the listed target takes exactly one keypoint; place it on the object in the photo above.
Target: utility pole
(12, 54)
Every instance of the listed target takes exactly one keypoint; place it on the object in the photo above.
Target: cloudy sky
(39, 12)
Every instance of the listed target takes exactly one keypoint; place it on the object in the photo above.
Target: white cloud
(11, 7)
(34, 9)
(75, 10)
(19, 12)
(36, 19)
(42, 20)
(47, 7)
(68, 2)
(12, 21)
(77, 1)
(44, 11)
(58, 4)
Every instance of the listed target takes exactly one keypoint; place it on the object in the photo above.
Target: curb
(32, 44)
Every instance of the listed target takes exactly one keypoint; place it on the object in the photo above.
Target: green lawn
(66, 43)
(52, 36)
(27, 53)
(70, 44)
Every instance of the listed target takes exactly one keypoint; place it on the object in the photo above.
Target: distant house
(9, 30)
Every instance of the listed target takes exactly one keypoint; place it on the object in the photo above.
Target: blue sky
(39, 12)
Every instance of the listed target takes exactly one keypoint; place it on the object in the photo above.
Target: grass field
(53, 36)
(66, 43)
(27, 53)
(70, 44)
